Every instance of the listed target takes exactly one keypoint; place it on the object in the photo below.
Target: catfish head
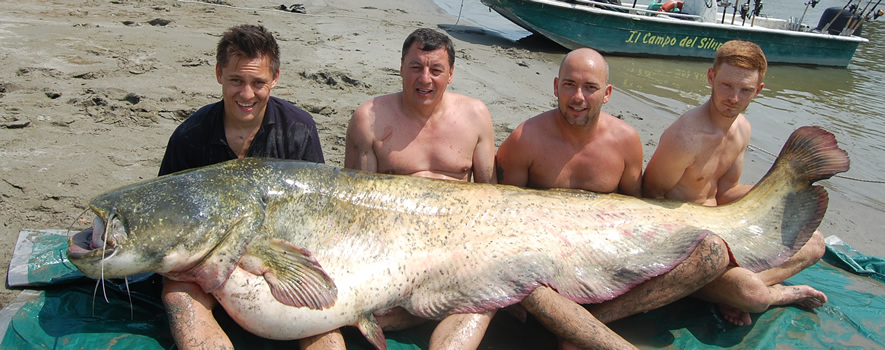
(168, 225)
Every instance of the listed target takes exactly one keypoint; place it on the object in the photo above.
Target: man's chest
(591, 172)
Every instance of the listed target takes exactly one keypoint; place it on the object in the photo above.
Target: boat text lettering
(703, 43)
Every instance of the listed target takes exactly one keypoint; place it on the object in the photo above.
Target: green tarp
(61, 309)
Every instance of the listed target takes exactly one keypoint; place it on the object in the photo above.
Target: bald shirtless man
(578, 146)
(425, 131)
(699, 159)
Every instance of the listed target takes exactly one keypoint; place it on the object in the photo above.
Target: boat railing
(632, 10)
(641, 9)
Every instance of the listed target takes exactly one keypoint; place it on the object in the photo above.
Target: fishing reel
(745, 11)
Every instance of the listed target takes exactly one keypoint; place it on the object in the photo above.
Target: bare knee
(750, 292)
(815, 247)
(756, 298)
(712, 252)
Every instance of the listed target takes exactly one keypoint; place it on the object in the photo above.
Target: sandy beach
(91, 90)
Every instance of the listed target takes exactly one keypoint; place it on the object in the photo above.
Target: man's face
(733, 88)
(245, 85)
(426, 74)
(581, 90)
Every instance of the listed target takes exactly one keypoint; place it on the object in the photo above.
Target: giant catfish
(292, 249)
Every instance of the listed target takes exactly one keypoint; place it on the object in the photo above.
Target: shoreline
(91, 93)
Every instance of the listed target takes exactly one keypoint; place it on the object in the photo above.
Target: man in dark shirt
(248, 122)
(286, 132)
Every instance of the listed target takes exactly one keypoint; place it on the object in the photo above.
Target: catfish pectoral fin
(294, 276)
(372, 331)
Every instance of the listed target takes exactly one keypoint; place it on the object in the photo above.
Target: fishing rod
(854, 20)
(726, 5)
(864, 18)
(734, 12)
(745, 9)
(757, 7)
(871, 11)
(813, 3)
(824, 30)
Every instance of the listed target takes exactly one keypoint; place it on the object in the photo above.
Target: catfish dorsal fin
(294, 276)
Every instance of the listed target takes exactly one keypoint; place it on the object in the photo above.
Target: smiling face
(245, 85)
(582, 87)
(733, 89)
(426, 74)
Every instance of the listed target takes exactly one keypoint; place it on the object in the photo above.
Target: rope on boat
(837, 175)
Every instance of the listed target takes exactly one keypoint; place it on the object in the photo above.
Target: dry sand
(91, 90)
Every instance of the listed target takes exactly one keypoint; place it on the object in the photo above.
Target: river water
(845, 101)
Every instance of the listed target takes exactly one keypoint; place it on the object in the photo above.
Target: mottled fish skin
(293, 249)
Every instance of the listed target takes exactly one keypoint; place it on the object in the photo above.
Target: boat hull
(575, 25)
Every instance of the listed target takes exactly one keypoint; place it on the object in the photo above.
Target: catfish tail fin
(812, 154)
(794, 206)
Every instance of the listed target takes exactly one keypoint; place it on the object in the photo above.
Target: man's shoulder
(540, 122)
(464, 101)
(618, 126)
(201, 120)
(536, 130)
(688, 124)
(288, 111)
(378, 105)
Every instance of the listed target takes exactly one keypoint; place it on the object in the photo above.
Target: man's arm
(313, 150)
(667, 165)
(176, 157)
(190, 317)
(512, 161)
(484, 153)
(570, 321)
(167, 166)
(359, 152)
(728, 189)
(631, 179)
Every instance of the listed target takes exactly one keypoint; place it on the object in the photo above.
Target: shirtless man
(699, 159)
(425, 131)
(578, 146)
(574, 145)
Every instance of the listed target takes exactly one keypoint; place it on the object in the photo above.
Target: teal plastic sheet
(853, 318)
(60, 309)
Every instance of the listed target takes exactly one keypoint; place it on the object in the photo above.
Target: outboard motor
(840, 22)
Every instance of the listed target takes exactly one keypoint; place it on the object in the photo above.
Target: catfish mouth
(99, 242)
